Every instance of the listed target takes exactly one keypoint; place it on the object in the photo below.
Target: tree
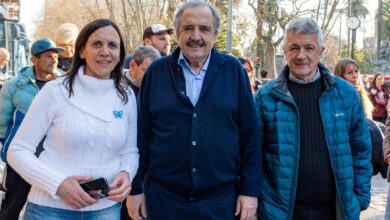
(271, 18)
(386, 21)
(326, 15)
(132, 16)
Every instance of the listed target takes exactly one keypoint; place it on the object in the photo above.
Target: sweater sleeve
(129, 153)
(33, 128)
(249, 130)
(143, 134)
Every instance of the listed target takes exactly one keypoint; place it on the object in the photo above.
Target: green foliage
(221, 42)
(358, 8)
(363, 58)
(386, 20)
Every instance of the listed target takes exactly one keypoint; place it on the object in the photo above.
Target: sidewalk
(377, 208)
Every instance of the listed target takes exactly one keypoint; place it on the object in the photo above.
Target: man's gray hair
(143, 52)
(303, 25)
(197, 3)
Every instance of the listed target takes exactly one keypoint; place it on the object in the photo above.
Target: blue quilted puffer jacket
(347, 138)
(15, 98)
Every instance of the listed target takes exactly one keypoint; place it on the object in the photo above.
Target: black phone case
(97, 188)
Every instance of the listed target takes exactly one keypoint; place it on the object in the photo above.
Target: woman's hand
(71, 192)
(120, 187)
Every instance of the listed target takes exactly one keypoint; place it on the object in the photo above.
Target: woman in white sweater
(89, 118)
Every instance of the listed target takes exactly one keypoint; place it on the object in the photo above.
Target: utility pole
(229, 31)
(341, 24)
(379, 28)
(353, 44)
(349, 31)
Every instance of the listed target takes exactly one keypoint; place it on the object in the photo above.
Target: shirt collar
(183, 62)
(128, 77)
(295, 79)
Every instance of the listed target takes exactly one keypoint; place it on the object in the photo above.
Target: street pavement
(377, 208)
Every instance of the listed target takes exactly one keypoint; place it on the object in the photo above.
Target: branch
(279, 41)
(251, 4)
(89, 9)
(332, 11)
(111, 10)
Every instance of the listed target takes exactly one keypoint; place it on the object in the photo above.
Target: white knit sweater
(92, 133)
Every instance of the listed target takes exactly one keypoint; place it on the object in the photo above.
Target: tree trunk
(259, 31)
(269, 61)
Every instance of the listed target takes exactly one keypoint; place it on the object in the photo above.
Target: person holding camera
(89, 118)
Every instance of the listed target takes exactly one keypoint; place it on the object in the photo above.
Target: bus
(13, 37)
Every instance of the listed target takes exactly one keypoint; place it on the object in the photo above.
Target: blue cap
(43, 45)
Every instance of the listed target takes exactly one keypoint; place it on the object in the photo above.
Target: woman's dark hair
(81, 41)
(263, 73)
(374, 80)
(244, 60)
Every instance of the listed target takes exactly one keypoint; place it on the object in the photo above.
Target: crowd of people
(188, 134)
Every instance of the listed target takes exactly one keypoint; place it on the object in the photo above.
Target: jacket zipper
(295, 165)
(330, 158)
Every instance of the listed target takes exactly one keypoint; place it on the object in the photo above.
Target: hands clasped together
(71, 192)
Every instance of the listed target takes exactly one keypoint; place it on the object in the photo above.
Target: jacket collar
(280, 86)
(27, 75)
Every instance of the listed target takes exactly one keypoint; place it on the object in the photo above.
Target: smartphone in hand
(97, 188)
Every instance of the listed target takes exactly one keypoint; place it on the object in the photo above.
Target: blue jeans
(38, 212)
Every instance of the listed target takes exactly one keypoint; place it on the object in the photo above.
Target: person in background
(4, 58)
(365, 82)
(315, 141)
(386, 157)
(348, 69)
(65, 37)
(89, 118)
(198, 130)
(264, 74)
(379, 96)
(143, 57)
(157, 36)
(15, 99)
(250, 70)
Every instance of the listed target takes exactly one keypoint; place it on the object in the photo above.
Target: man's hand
(134, 205)
(388, 160)
(120, 187)
(246, 207)
(72, 194)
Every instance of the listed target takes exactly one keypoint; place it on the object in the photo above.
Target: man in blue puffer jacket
(15, 98)
(315, 140)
